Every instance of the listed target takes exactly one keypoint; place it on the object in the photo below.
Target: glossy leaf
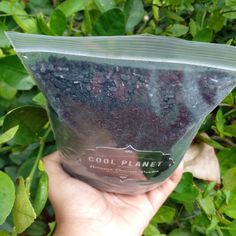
(230, 130)
(220, 121)
(216, 21)
(6, 91)
(155, 9)
(4, 233)
(207, 205)
(229, 179)
(21, 17)
(204, 35)
(69, 7)
(227, 159)
(30, 120)
(7, 196)
(185, 192)
(40, 99)
(177, 30)
(41, 193)
(182, 232)
(164, 215)
(14, 75)
(52, 227)
(134, 13)
(151, 230)
(42, 6)
(110, 23)
(105, 5)
(43, 26)
(230, 14)
(229, 208)
(232, 228)
(4, 42)
(8, 135)
(230, 3)
(58, 22)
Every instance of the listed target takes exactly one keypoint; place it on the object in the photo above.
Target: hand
(83, 210)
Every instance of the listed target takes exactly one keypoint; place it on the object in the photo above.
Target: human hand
(83, 210)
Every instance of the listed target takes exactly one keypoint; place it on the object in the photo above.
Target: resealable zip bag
(125, 109)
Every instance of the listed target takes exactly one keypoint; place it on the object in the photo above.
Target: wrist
(91, 229)
(78, 229)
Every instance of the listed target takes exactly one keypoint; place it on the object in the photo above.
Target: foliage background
(196, 207)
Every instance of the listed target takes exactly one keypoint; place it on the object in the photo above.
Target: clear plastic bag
(125, 109)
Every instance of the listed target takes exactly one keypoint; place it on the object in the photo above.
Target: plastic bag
(125, 109)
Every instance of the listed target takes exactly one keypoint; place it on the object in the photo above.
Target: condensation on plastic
(125, 109)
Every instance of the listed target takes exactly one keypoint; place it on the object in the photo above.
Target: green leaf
(155, 9)
(40, 99)
(41, 195)
(7, 196)
(207, 205)
(6, 91)
(110, 23)
(23, 20)
(204, 35)
(182, 232)
(58, 22)
(230, 3)
(193, 27)
(52, 227)
(212, 226)
(42, 6)
(200, 223)
(206, 124)
(4, 233)
(5, 7)
(165, 214)
(177, 30)
(105, 5)
(230, 130)
(228, 179)
(69, 7)
(173, 16)
(43, 27)
(230, 14)
(14, 75)
(229, 99)
(227, 159)
(185, 192)
(216, 21)
(87, 23)
(30, 120)
(232, 228)
(4, 42)
(151, 230)
(210, 142)
(23, 212)
(220, 121)
(134, 13)
(229, 208)
(8, 135)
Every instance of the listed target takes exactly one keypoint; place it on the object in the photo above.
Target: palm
(75, 201)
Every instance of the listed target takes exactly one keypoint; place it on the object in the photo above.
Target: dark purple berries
(119, 100)
(208, 85)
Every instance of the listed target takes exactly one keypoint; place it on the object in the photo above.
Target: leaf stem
(39, 156)
(231, 112)
(223, 139)
(5, 149)
(222, 219)
(219, 231)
